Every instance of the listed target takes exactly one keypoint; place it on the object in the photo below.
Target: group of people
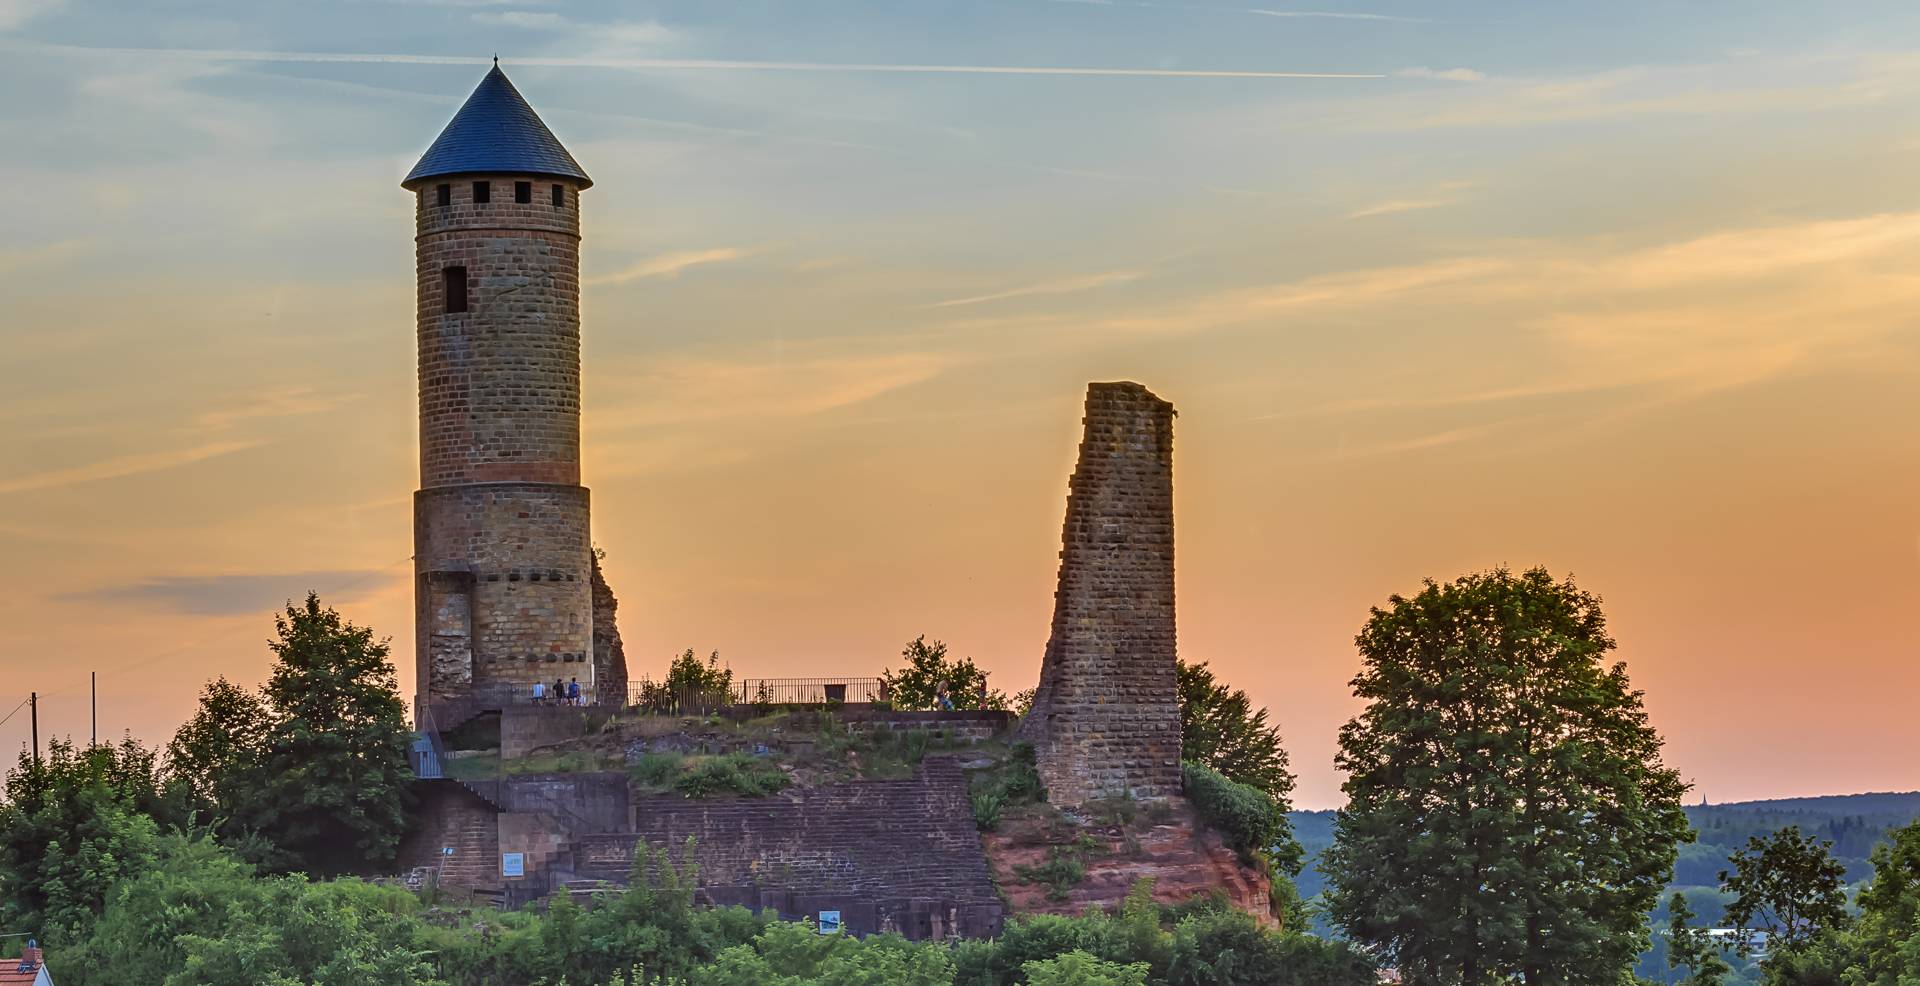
(567, 693)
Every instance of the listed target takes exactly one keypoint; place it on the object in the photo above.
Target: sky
(1626, 290)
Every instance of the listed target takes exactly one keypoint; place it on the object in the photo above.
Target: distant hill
(1854, 823)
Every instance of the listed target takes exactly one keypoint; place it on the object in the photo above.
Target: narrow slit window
(482, 192)
(453, 287)
(559, 197)
(445, 193)
(523, 192)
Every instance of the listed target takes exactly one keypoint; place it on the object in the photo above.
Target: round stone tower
(503, 557)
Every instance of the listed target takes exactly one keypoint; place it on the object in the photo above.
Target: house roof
(12, 971)
(494, 132)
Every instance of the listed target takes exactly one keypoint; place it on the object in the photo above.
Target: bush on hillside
(1250, 822)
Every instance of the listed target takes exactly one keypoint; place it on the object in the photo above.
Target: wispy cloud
(1441, 196)
(687, 389)
(1445, 74)
(232, 595)
(624, 34)
(125, 465)
(1064, 286)
(1441, 439)
(17, 257)
(670, 265)
(1336, 15)
(271, 404)
(685, 64)
(14, 13)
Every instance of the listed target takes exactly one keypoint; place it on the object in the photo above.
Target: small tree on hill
(927, 668)
(1691, 948)
(1219, 727)
(1510, 818)
(1786, 886)
(215, 757)
(334, 773)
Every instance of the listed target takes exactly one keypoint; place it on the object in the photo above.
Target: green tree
(1691, 948)
(1077, 968)
(74, 823)
(691, 686)
(215, 757)
(294, 933)
(333, 793)
(187, 892)
(1509, 816)
(1886, 939)
(1787, 887)
(1219, 727)
(927, 668)
(1227, 948)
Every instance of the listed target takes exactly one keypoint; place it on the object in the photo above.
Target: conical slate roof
(496, 131)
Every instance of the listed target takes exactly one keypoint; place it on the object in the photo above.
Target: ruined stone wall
(609, 654)
(1106, 716)
(446, 815)
(901, 855)
(502, 544)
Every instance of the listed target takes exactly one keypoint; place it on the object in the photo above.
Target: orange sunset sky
(1629, 291)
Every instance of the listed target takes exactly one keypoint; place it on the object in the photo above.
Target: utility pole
(33, 703)
(93, 680)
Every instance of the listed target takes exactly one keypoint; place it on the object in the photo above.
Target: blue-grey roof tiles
(496, 132)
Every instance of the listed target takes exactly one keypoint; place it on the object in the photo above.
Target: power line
(16, 710)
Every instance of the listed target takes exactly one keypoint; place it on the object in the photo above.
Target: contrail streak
(683, 64)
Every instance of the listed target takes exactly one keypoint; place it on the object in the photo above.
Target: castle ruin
(1106, 716)
(509, 592)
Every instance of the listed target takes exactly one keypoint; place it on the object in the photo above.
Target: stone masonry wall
(501, 529)
(525, 551)
(448, 816)
(903, 854)
(500, 382)
(1106, 716)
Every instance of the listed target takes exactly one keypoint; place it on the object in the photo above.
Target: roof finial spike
(496, 59)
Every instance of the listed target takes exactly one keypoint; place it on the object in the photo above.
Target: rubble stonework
(609, 655)
(1106, 715)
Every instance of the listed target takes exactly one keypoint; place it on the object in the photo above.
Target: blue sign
(829, 922)
(513, 864)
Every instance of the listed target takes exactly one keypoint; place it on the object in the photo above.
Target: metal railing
(659, 698)
(647, 695)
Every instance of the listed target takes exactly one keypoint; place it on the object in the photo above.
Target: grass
(1065, 867)
(734, 773)
(1014, 782)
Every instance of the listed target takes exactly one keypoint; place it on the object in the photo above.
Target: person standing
(539, 692)
(573, 692)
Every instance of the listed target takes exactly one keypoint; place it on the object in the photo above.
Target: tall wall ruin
(1106, 716)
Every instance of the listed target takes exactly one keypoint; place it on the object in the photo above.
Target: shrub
(987, 806)
(658, 769)
(1244, 815)
(1065, 867)
(735, 773)
(1227, 948)
(1077, 968)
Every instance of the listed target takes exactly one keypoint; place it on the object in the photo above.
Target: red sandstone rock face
(1106, 718)
(1182, 858)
